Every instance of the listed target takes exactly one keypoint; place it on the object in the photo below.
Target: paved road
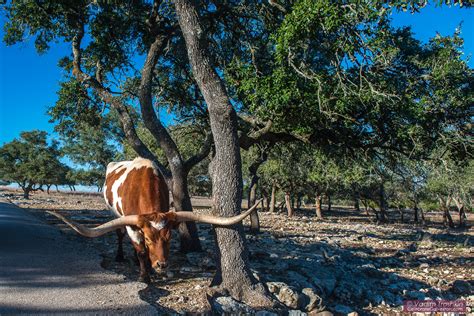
(41, 272)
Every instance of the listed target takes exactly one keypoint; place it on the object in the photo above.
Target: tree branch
(151, 120)
(125, 118)
(203, 152)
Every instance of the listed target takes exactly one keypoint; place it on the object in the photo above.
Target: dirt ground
(342, 264)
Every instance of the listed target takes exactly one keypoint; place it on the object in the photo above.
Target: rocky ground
(343, 264)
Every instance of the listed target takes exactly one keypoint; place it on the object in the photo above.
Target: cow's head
(155, 228)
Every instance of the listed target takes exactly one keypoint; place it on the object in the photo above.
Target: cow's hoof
(144, 278)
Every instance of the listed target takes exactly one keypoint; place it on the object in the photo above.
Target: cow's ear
(142, 221)
(171, 219)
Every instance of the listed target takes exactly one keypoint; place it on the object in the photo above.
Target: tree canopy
(31, 162)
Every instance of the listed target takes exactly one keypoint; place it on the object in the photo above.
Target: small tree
(451, 181)
(30, 161)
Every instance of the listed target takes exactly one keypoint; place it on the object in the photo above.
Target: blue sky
(29, 82)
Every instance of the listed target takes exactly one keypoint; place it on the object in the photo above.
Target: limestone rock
(226, 304)
(313, 301)
(285, 294)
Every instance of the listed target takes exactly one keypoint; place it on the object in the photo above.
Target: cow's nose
(162, 265)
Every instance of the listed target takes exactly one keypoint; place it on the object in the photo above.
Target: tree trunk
(298, 201)
(48, 186)
(461, 212)
(317, 205)
(382, 203)
(289, 207)
(26, 193)
(366, 206)
(252, 198)
(272, 199)
(462, 216)
(415, 213)
(265, 201)
(329, 202)
(402, 214)
(56, 186)
(447, 219)
(357, 201)
(233, 272)
(422, 216)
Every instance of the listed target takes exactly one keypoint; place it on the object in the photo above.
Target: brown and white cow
(138, 195)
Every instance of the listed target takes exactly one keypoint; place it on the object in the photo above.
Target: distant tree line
(35, 164)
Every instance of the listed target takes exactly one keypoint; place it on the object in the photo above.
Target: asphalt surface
(42, 272)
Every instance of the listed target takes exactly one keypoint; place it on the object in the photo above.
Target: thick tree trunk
(317, 205)
(188, 234)
(26, 193)
(272, 198)
(233, 272)
(289, 207)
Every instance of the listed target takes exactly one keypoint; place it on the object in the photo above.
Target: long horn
(215, 220)
(130, 220)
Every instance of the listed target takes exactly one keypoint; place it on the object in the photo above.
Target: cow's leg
(120, 234)
(142, 254)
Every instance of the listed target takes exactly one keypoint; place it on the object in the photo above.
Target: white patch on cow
(135, 235)
(158, 225)
(104, 190)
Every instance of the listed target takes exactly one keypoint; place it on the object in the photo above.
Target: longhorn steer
(138, 195)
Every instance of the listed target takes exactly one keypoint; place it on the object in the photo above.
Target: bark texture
(233, 272)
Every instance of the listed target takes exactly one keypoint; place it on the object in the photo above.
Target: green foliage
(341, 75)
(188, 138)
(31, 162)
(449, 179)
